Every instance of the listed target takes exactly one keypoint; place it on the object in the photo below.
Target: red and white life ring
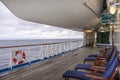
(19, 57)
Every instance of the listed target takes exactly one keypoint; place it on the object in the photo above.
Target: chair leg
(66, 78)
(75, 69)
(84, 61)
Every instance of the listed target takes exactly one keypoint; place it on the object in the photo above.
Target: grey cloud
(11, 27)
(52, 29)
(25, 25)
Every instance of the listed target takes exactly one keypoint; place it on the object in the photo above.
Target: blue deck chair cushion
(112, 59)
(83, 66)
(112, 68)
(96, 55)
(76, 75)
(93, 55)
(81, 75)
(110, 53)
(88, 66)
(94, 58)
(90, 58)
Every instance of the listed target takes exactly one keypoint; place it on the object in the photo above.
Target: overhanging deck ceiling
(71, 14)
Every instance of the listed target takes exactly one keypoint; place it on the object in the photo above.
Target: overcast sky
(12, 27)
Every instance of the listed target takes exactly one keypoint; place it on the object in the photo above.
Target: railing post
(65, 46)
(52, 50)
(29, 59)
(42, 51)
(40, 54)
(57, 48)
(62, 46)
(10, 53)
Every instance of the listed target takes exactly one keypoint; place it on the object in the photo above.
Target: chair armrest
(104, 61)
(98, 67)
(98, 70)
(102, 58)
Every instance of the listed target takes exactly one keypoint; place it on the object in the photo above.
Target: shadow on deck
(51, 69)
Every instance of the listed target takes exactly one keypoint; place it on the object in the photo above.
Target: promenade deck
(51, 69)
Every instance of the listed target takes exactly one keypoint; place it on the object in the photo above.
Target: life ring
(19, 57)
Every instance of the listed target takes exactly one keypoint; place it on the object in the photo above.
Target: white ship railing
(35, 53)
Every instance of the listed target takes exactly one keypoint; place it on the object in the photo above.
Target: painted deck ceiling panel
(62, 13)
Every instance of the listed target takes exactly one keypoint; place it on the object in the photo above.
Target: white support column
(89, 38)
(84, 39)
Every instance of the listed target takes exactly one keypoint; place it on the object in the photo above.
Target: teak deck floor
(51, 69)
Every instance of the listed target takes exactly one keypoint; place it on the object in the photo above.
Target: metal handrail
(35, 52)
(34, 44)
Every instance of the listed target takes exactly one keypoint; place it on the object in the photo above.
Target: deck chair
(109, 74)
(91, 67)
(99, 58)
(97, 55)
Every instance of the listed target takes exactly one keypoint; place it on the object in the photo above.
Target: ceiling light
(88, 30)
(112, 9)
(101, 27)
(102, 31)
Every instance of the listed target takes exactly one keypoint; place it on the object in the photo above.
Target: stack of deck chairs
(108, 71)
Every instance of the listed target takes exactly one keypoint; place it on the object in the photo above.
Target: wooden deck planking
(51, 69)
